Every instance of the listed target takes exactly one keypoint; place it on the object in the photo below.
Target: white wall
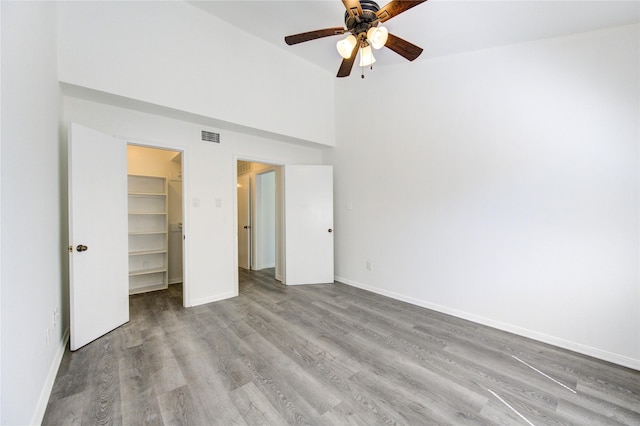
(142, 160)
(208, 175)
(174, 55)
(34, 272)
(502, 186)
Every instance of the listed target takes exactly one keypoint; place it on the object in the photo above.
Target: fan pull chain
(362, 70)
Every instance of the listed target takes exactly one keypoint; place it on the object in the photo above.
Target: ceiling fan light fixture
(366, 56)
(346, 45)
(377, 37)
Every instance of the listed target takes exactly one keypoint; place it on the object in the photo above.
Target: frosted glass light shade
(366, 56)
(345, 46)
(377, 36)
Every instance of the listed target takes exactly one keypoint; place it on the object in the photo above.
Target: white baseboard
(264, 266)
(216, 298)
(531, 334)
(45, 394)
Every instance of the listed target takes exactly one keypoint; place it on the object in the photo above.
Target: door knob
(82, 248)
(247, 227)
(330, 230)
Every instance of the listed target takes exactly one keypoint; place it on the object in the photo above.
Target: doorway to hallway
(259, 207)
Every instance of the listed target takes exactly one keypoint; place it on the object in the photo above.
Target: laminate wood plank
(74, 372)
(343, 414)
(210, 388)
(418, 378)
(325, 355)
(214, 403)
(254, 407)
(274, 392)
(509, 372)
(226, 344)
(139, 402)
(177, 408)
(168, 377)
(625, 401)
(410, 405)
(308, 315)
(379, 361)
(141, 410)
(497, 413)
(304, 345)
(321, 364)
(67, 410)
(581, 413)
(536, 413)
(102, 397)
(299, 386)
(299, 328)
(134, 373)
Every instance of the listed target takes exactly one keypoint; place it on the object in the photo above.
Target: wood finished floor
(327, 355)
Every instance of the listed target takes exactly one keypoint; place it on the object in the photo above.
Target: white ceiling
(440, 27)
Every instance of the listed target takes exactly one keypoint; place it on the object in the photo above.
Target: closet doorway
(259, 216)
(155, 219)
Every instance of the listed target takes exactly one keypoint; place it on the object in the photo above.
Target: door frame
(280, 251)
(186, 293)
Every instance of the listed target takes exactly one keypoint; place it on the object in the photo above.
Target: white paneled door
(98, 260)
(308, 193)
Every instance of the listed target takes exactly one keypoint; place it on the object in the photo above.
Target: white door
(244, 222)
(98, 260)
(308, 193)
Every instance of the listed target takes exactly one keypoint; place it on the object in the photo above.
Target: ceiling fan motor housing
(359, 24)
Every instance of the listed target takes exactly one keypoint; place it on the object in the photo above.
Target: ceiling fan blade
(312, 35)
(353, 7)
(347, 64)
(403, 47)
(395, 8)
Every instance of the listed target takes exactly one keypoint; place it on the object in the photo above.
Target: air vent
(243, 167)
(210, 137)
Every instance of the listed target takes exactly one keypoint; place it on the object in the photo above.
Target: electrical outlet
(369, 265)
(56, 317)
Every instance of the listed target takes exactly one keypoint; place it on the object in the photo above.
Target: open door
(308, 193)
(98, 262)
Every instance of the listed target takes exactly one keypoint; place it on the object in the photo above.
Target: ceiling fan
(361, 19)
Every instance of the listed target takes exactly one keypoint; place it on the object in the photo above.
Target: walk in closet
(148, 233)
(155, 218)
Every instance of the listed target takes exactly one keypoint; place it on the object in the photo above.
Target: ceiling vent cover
(244, 167)
(210, 137)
